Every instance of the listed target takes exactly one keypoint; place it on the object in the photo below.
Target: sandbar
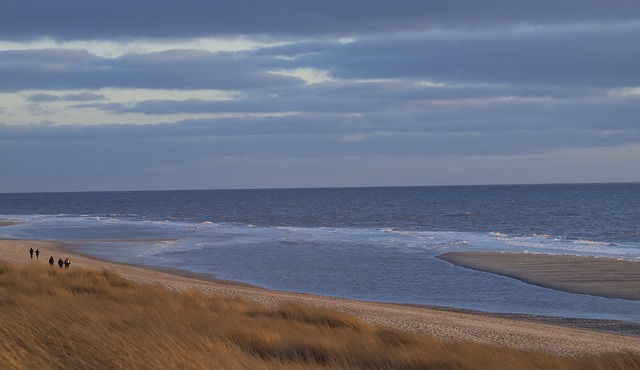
(5, 222)
(599, 276)
(445, 324)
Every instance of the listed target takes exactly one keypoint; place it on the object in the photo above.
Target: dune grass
(79, 319)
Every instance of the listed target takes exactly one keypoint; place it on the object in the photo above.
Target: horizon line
(325, 187)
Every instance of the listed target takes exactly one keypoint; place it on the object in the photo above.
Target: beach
(524, 333)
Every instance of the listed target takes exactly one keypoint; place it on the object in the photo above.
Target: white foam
(210, 234)
(497, 234)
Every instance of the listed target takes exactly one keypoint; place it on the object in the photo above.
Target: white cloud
(116, 49)
(311, 76)
(625, 92)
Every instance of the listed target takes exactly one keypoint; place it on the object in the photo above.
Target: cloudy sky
(203, 94)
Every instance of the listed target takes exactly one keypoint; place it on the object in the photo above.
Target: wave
(210, 234)
(592, 242)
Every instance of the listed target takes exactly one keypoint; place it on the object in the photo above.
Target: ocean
(374, 244)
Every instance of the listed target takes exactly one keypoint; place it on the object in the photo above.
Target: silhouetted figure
(31, 252)
(67, 262)
(60, 262)
(37, 253)
(51, 261)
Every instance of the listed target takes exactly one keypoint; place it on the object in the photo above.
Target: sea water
(377, 244)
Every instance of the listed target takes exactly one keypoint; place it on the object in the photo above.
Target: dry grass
(77, 319)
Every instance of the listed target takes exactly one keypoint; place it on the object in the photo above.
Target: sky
(203, 94)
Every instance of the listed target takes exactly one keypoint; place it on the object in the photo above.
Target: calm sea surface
(365, 243)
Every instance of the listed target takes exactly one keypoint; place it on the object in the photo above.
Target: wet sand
(4, 222)
(525, 334)
(605, 277)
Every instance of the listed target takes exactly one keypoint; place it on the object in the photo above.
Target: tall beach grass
(80, 319)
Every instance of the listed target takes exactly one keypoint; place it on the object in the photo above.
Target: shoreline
(597, 276)
(530, 333)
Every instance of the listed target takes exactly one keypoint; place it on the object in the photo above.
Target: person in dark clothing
(67, 262)
(37, 253)
(31, 252)
(60, 262)
(51, 261)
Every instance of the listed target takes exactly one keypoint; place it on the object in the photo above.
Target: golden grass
(78, 319)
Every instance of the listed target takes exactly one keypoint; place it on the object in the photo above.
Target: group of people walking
(61, 263)
(31, 252)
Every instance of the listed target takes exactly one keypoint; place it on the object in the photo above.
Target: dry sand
(606, 277)
(446, 324)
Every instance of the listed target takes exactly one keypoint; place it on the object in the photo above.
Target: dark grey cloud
(319, 99)
(588, 56)
(69, 19)
(83, 96)
(365, 97)
(49, 98)
(43, 98)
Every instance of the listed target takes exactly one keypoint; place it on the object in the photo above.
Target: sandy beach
(446, 324)
(606, 277)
